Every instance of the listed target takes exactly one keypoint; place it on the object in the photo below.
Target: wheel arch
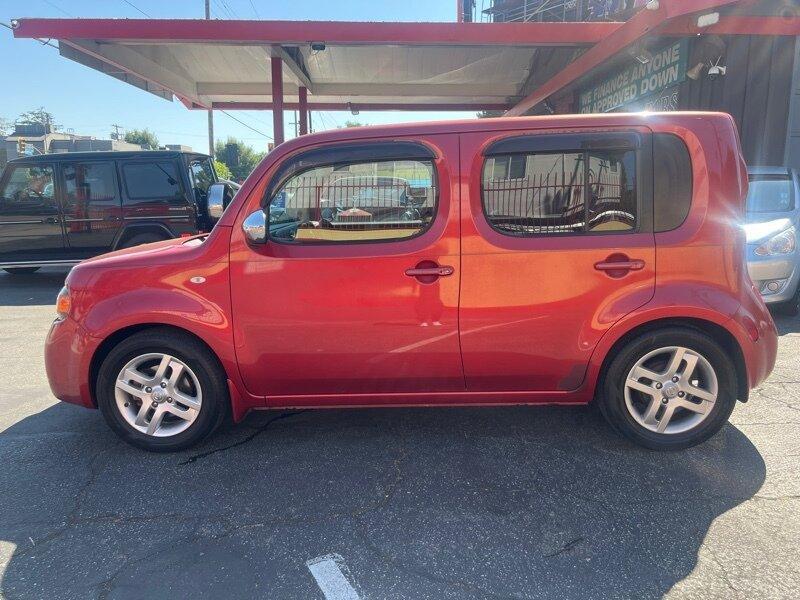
(132, 229)
(715, 331)
(119, 335)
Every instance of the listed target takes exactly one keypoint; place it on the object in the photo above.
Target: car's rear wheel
(669, 389)
(162, 390)
(21, 270)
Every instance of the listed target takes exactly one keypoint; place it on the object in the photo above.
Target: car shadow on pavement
(786, 324)
(420, 503)
(32, 289)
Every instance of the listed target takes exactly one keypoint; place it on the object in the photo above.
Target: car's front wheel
(162, 390)
(669, 389)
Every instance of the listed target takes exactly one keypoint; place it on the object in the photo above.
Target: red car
(536, 260)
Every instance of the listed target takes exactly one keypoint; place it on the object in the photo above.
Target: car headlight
(63, 303)
(783, 243)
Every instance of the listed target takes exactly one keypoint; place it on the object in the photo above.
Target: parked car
(649, 311)
(58, 209)
(773, 217)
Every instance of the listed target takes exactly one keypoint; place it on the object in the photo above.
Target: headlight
(783, 243)
(63, 303)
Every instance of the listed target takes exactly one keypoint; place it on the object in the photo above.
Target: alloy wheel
(671, 390)
(158, 394)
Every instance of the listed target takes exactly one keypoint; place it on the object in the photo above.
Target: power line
(132, 5)
(255, 12)
(40, 40)
(225, 112)
(58, 8)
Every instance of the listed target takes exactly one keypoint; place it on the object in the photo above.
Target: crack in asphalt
(243, 441)
(566, 548)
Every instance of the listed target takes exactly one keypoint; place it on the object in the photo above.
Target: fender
(140, 227)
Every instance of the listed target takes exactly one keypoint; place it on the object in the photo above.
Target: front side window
(770, 193)
(356, 202)
(527, 194)
(89, 183)
(201, 172)
(27, 188)
(157, 180)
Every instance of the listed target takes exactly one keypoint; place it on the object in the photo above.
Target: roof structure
(312, 65)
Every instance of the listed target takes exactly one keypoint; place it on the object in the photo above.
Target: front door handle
(429, 271)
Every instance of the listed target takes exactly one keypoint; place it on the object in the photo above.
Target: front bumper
(780, 272)
(68, 353)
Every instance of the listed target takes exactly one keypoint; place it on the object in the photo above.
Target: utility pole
(116, 129)
(210, 111)
(295, 123)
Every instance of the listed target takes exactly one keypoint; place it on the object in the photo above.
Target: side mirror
(219, 196)
(255, 227)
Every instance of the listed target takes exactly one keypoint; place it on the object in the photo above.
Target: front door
(30, 221)
(92, 206)
(557, 246)
(356, 291)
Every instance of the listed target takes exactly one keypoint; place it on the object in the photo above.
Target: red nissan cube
(534, 260)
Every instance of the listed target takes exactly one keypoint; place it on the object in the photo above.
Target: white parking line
(330, 579)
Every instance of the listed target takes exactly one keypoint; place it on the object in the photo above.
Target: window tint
(357, 202)
(89, 183)
(546, 193)
(672, 181)
(27, 188)
(770, 193)
(158, 180)
(202, 175)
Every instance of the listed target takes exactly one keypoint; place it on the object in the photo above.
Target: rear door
(92, 206)
(557, 246)
(30, 220)
(154, 190)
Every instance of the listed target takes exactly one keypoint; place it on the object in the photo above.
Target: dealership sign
(666, 68)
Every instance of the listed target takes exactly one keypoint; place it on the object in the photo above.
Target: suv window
(89, 183)
(201, 172)
(157, 180)
(355, 202)
(541, 193)
(27, 188)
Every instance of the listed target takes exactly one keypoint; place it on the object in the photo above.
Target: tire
(201, 378)
(21, 270)
(142, 238)
(791, 307)
(628, 410)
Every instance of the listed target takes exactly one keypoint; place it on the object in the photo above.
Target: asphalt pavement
(395, 503)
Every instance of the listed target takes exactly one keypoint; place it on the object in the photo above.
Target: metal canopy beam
(363, 106)
(305, 32)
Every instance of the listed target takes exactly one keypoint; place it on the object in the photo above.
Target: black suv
(57, 209)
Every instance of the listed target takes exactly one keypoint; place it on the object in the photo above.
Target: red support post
(303, 97)
(277, 99)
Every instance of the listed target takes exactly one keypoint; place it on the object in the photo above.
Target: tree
(488, 114)
(5, 125)
(38, 116)
(353, 124)
(223, 172)
(240, 158)
(144, 137)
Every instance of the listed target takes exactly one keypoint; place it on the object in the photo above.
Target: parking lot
(438, 503)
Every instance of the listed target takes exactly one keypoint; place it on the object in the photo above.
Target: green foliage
(37, 117)
(5, 125)
(353, 124)
(144, 137)
(223, 172)
(240, 158)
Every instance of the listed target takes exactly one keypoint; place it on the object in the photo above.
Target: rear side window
(551, 193)
(157, 180)
(364, 201)
(89, 183)
(672, 181)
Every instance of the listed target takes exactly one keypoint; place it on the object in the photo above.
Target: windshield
(770, 193)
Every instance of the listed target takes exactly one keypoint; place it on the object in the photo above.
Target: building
(43, 139)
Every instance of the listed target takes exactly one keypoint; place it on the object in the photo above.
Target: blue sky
(89, 103)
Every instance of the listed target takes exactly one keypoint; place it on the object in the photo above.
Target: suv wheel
(669, 389)
(21, 270)
(162, 390)
(142, 238)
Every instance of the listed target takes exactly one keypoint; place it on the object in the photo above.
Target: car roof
(112, 154)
